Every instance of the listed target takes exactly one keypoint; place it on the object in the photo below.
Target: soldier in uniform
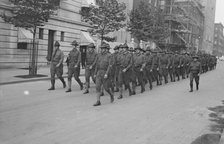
(164, 65)
(156, 68)
(91, 57)
(102, 70)
(74, 59)
(148, 66)
(138, 66)
(182, 65)
(195, 71)
(171, 65)
(116, 68)
(56, 67)
(125, 63)
(176, 67)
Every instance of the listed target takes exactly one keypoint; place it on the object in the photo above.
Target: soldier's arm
(144, 62)
(79, 59)
(168, 63)
(96, 68)
(61, 59)
(94, 63)
(130, 63)
(110, 64)
(153, 63)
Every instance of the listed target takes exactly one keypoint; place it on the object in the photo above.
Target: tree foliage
(108, 16)
(148, 23)
(30, 13)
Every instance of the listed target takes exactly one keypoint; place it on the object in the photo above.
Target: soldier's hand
(141, 69)
(94, 76)
(157, 69)
(76, 66)
(199, 74)
(151, 70)
(124, 70)
(166, 67)
(178, 66)
(90, 67)
(105, 76)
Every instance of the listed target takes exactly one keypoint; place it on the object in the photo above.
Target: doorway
(50, 43)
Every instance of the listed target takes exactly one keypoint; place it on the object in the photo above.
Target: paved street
(169, 114)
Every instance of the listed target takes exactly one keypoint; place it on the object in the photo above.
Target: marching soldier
(102, 70)
(176, 67)
(56, 67)
(125, 63)
(164, 65)
(138, 66)
(182, 65)
(156, 68)
(91, 57)
(116, 68)
(171, 65)
(148, 66)
(195, 71)
(74, 59)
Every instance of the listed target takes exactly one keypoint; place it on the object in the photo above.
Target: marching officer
(138, 66)
(171, 65)
(125, 63)
(176, 67)
(195, 71)
(116, 68)
(102, 70)
(56, 66)
(74, 59)
(91, 57)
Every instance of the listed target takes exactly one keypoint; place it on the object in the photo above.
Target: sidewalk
(7, 76)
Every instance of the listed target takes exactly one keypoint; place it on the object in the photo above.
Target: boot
(69, 90)
(111, 95)
(120, 97)
(197, 87)
(116, 90)
(63, 81)
(102, 94)
(191, 88)
(80, 83)
(86, 91)
(69, 86)
(52, 85)
(97, 103)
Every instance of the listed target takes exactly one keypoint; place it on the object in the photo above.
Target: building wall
(67, 20)
(218, 40)
(209, 12)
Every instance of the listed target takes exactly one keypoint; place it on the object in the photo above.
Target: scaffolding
(186, 23)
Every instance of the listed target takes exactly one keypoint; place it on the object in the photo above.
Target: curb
(31, 80)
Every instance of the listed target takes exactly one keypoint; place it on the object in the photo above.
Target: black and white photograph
(111, 71)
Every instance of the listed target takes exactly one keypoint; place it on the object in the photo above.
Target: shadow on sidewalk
(217, 118)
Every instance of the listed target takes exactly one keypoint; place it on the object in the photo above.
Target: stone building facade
(218, 40)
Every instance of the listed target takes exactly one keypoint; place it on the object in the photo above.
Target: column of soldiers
(128, 68)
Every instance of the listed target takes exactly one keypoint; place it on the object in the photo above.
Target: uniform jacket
(91, 58)
(195, 67)
(57, 57)
(74, 58)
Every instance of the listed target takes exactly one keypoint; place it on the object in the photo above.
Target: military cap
(105, 45)
(124, 45)
(56, 43)
(116, 47)
(91, 45)
(138, 47)
(195, 56)
(74, 43)
(131, 49)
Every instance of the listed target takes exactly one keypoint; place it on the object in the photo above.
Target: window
(22, 45)
(62, 36)
(41, 33)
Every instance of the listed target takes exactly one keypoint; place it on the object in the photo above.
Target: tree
(107, 17)
(148, 23)
(31, 14)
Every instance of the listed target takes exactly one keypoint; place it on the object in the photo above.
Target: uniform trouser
(74, 72)
(56, 71)
(164, 71)
(187, 70)
(89, 73)
(182, 71)
(194, 76)
(157, 75)
(115, 78)
(171, 70)
(124, 79)
(176, 73)
(149, 75)
(138, 75)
